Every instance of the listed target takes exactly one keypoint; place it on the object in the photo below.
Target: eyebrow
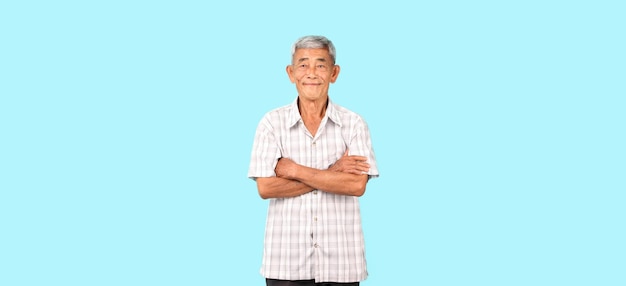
(318, 59)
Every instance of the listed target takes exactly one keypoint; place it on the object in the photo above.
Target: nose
(312, 72)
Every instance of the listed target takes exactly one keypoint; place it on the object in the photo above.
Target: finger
(359, 158)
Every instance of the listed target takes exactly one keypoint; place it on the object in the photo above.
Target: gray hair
(314, 42)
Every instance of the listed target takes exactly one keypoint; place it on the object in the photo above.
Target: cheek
(294, 77)
(300, 77)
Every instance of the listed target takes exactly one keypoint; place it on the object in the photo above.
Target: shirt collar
(331, 113)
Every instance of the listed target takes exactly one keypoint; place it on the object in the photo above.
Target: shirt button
(315, 192)
(315, 245)
(315, 218)
(313, 143)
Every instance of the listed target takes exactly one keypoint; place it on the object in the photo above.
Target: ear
(289, 70)
(335, 73)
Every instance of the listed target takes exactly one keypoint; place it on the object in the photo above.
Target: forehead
(311, 54)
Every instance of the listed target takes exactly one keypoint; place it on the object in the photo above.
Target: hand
(351, 164)
(285, 168)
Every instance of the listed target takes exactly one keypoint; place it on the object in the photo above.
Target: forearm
(275, 187)
(330, 181)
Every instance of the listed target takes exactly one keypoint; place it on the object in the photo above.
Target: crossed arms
(344, 177)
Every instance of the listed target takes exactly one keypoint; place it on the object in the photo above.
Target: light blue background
(126, 128)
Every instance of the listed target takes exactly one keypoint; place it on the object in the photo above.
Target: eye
(321, 66)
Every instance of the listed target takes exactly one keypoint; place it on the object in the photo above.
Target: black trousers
(274, 282)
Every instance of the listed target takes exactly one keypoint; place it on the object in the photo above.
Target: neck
(312, 108)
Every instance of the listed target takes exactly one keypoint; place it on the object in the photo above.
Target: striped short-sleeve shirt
(316, 235)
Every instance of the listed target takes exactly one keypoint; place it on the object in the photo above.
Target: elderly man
(312, 159)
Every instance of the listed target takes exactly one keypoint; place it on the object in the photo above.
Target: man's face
(312, 70)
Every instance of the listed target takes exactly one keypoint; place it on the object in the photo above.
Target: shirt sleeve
(265, 152)
(361, 145)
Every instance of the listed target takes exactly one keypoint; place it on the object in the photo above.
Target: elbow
(263, 193)
(263, 188)
(359, 190)
(359, 187)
